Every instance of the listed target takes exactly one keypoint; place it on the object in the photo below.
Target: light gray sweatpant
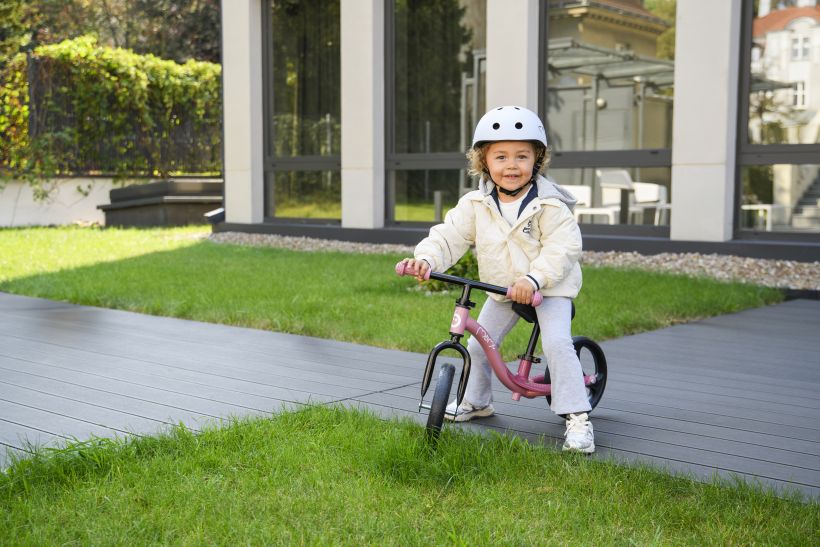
(554, 316)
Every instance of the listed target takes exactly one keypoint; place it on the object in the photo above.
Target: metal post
(437, 206)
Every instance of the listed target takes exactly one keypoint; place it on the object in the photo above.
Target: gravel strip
(786, 274)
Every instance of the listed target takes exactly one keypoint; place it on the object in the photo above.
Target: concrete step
(806, 222)
(808, 202)
(811, 211)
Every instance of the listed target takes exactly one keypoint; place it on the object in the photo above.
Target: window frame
(395, 161)
(271, 163)
(628, 159)
(748, 154)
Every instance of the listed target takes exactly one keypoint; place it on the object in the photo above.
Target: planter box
(163, 203)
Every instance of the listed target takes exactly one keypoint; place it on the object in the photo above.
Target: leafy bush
(467, 266)
(79, 108)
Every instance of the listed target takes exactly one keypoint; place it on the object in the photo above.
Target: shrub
(80, 108)
(467, 266)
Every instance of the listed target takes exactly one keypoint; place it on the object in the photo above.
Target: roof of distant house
(779, 19)
(630, 7)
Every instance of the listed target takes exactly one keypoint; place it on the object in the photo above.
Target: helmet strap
(512, 192)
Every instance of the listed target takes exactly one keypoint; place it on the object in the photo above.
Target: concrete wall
(707, 59)
(66, 205)
(363, 148)
(243, 112)
(512, 53)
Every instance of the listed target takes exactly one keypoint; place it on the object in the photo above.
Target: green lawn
(350, 297)
(326, 476)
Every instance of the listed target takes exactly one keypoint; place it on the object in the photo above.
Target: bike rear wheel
(442, 393)
(593, 363)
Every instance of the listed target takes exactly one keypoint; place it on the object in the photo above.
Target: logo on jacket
(528, 227)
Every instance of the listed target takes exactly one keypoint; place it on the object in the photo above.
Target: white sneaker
(467, 412)
(579, 436)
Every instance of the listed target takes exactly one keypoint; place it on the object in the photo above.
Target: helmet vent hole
(518, 125)
(515, 107)
(496, 125)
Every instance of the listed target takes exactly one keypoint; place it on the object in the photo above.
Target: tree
(171, 29)
(665, 9)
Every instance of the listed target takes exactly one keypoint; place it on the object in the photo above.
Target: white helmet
(509, 123)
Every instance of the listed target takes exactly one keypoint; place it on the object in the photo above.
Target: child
(525, 236)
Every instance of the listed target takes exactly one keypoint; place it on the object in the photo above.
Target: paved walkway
(731, 395)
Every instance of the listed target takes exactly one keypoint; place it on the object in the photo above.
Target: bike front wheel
(436, 417)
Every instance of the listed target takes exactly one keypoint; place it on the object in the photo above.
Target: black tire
(436, 417)
(597, 367)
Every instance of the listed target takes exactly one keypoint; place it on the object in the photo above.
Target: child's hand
(522, 291)
(418, 267)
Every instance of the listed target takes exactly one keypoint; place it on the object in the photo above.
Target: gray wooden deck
(731, 395)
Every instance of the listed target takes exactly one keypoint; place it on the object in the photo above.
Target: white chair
(584, 196)
(649, 195)
(642, 195)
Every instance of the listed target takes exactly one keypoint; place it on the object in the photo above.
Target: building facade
(679, 128)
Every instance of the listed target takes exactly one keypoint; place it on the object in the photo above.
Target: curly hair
(475, 156)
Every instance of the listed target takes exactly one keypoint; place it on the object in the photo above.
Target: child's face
(510, 163)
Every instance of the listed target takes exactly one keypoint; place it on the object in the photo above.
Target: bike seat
(527, 312)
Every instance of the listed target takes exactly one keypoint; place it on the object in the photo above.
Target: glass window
(439, 63)
(606, 194)
(423, 195)
(610, 75)
(783, 92)
(304, 194)
(799, 95)
(305, 80)
(800, 48)
(780, 197)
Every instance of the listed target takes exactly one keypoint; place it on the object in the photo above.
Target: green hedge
(79, 108)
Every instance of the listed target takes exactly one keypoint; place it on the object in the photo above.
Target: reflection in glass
(305, 78)
(610, 74)
(304, 194)
(781, 198)
(440, 63)
(644, 191)
(784, 99)
(424, 195)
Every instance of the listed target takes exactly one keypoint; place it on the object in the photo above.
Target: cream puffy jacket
(544, 243)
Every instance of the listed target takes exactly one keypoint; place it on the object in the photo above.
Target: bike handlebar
(401, 269)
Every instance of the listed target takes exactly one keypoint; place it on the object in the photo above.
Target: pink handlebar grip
(537, 297)
(402, 269)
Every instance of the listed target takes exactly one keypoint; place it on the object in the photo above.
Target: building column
(363, 133)
(242, 111)
(707, 67)
(512, 53)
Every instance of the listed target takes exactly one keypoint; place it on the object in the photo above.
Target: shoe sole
(587, 450)
(467, 416)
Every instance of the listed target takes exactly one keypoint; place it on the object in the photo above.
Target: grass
(404, 212)
(341, 296)
(333, 476)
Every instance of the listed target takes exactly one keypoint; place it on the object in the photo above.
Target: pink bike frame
(520, 384)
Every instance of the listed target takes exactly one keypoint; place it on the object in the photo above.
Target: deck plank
(729, 396)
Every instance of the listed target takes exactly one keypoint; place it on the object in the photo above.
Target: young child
(525, 236)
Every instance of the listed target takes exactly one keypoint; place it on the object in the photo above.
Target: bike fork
(453, 344)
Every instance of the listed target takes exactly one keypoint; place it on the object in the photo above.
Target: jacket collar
(543, 189)
(531, 195)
